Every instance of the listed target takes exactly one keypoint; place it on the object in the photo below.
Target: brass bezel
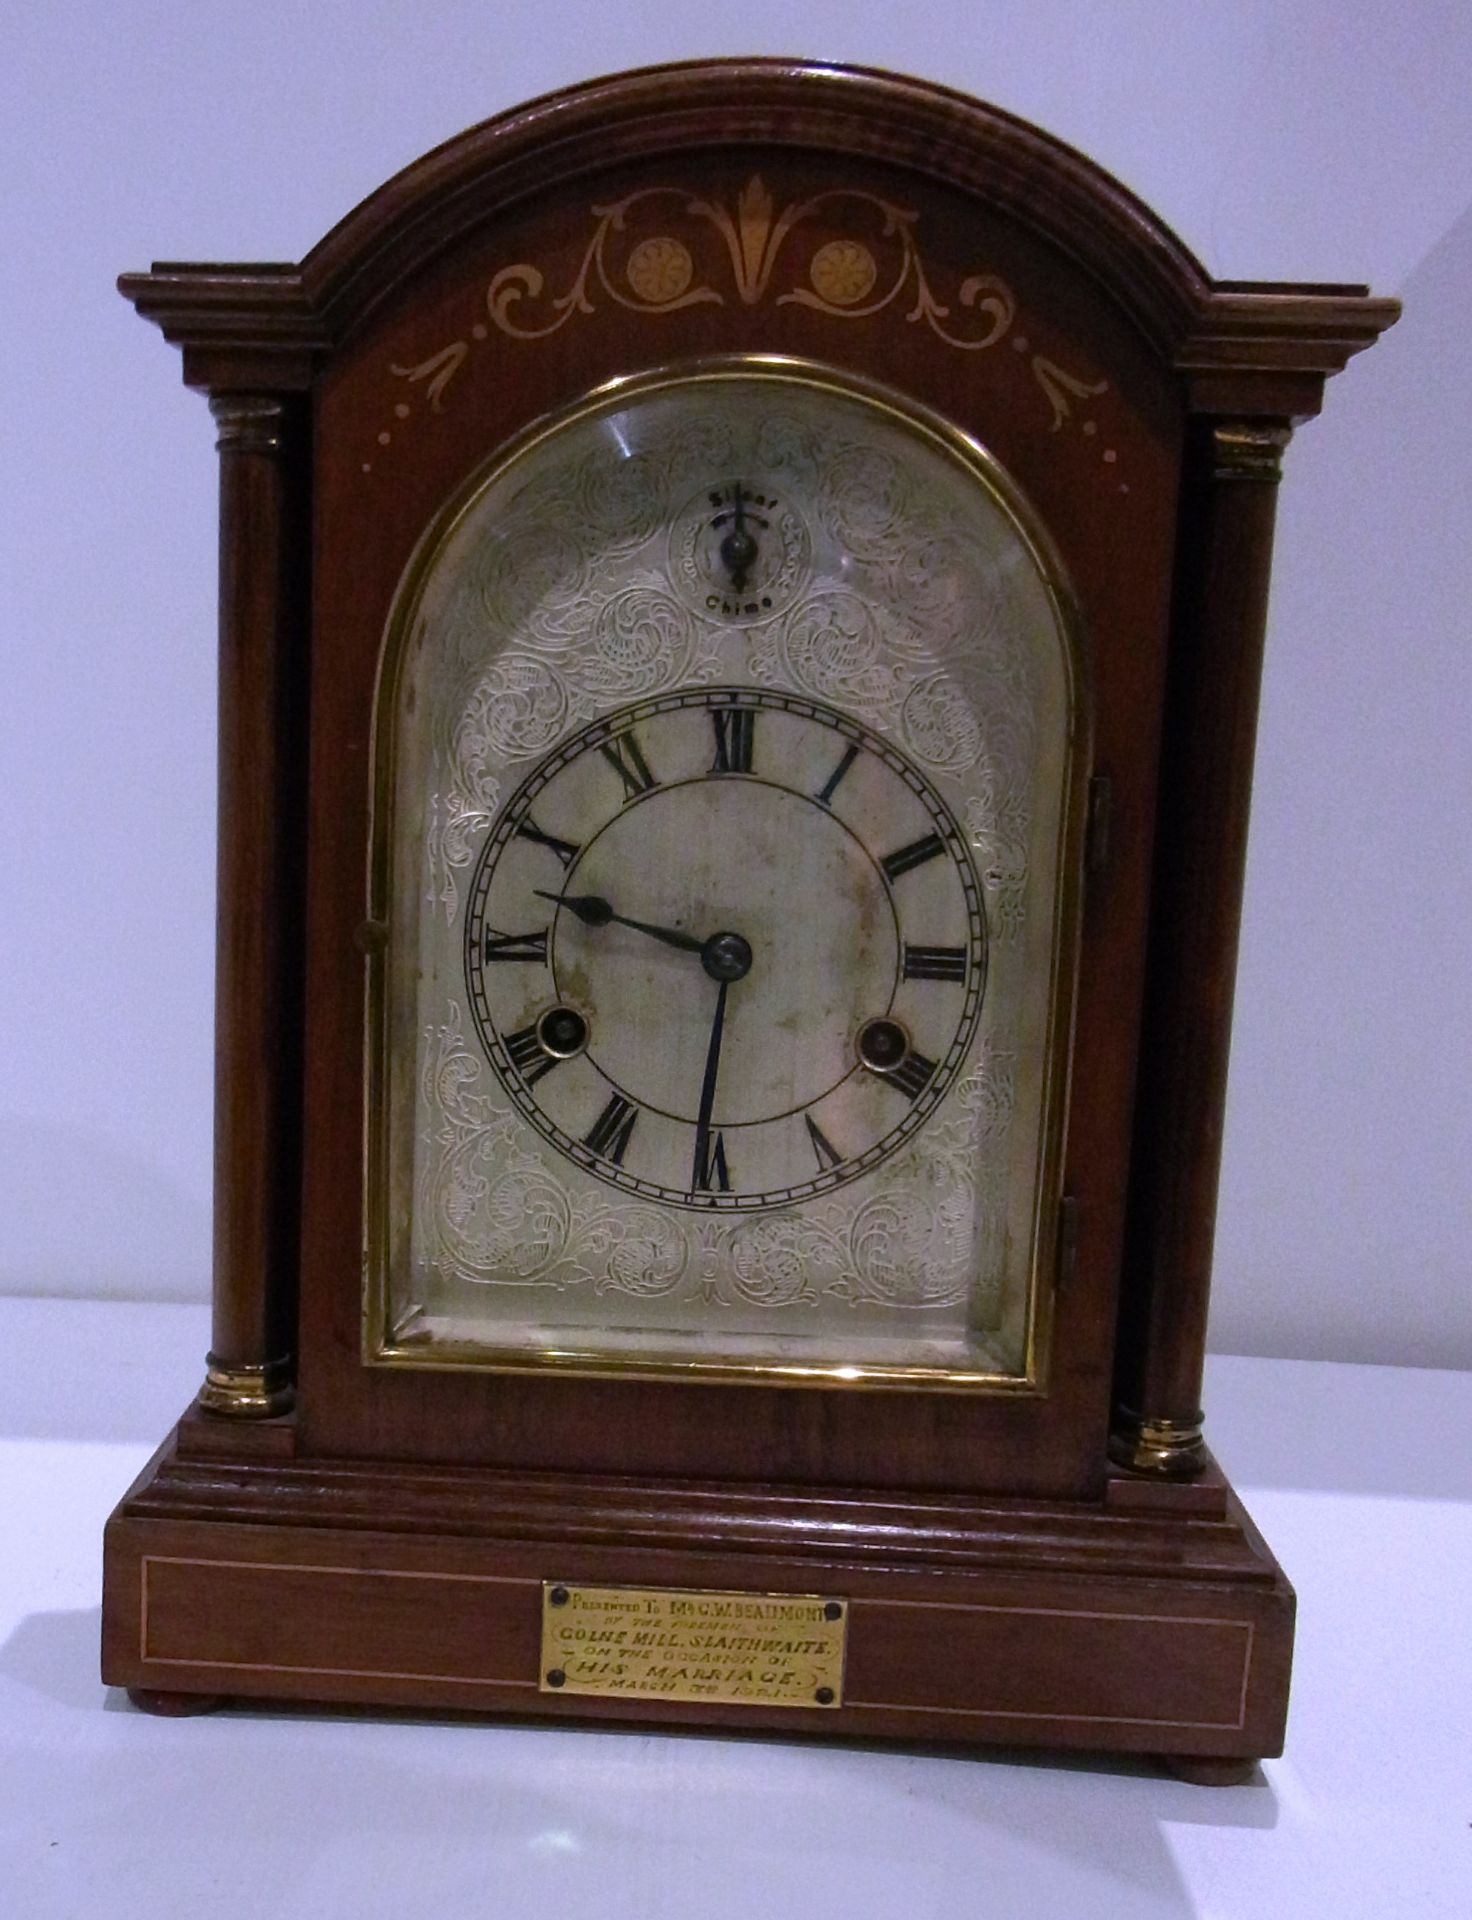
(378, 1343)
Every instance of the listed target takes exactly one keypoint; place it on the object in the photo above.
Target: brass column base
(247, 1391)
(1173, 1448)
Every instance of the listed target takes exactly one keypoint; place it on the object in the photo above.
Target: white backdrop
(1304, 139)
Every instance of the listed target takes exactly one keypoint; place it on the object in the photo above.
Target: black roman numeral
(625, 756)
(564, 849)
(711, 1170)
(914, 855)
(828, 1154)
(827, 791)
(528, 1056)
(934, 963)
(609, 1134)
(515, 946)
(735, 738)
(913, 1074)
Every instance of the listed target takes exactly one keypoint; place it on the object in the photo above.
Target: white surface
(1303, 138)
(106, 1812)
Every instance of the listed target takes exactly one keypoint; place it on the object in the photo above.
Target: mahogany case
(1066, 1568)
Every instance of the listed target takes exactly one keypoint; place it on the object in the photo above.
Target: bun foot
(1208, 1770)
(174, 1706)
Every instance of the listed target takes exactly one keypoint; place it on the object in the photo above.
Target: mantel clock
(742, 594)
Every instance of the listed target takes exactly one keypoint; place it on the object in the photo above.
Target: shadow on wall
(157, 1238)
(109, 1370)
(1343, 1217)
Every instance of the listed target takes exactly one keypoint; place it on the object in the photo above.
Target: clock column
(1228, 511)
(262, 697)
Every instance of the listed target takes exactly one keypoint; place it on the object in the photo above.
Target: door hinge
(1098, 823)
(1066, 1251)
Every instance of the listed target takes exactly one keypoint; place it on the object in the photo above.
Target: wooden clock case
(1066, 1568)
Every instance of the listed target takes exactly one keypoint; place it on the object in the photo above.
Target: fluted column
(1206, 779)
(257, 999)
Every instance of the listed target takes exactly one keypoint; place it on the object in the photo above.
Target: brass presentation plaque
(672, 1643)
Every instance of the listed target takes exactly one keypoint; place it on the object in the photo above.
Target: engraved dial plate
(725, 747)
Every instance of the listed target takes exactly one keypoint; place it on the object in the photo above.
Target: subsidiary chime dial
(726, 947)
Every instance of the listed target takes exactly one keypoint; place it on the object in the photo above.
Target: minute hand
(594, 911)
(700, 1172)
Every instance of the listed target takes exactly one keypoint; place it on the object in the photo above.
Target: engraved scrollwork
(456, 822)
(787, 445)
(643, 643)
(911, 1249)
(495, 1213)
(865, 500)
(697, 447)
(537, 570)
(513, 708)
(509, 1224)
(936, 576)
(998, 822)
(940, 725)
(460, 800)
(500, 1217)
(831, 646)
(645, 1254)
(990, 1094)
(620, 503)
(915, 1245)
(518, 707)
(774, 1263)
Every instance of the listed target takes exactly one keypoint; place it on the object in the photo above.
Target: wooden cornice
(1259, 346)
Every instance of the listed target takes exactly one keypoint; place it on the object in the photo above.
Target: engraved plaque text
(662, 1643)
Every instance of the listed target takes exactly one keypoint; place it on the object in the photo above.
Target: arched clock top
(247, 324)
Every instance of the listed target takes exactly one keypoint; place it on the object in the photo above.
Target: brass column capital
(1249, 450)
(249, 422)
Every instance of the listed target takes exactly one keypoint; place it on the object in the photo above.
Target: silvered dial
(726, 948)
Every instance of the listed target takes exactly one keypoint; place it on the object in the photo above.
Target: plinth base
(1151, 1620)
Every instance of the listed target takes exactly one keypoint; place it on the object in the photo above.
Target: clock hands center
(725, 956)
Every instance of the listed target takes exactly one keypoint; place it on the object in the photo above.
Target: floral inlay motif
(750, 252)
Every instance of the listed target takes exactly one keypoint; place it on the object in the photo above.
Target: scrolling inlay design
(875, 267)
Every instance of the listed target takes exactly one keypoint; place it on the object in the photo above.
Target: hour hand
(594, 911)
